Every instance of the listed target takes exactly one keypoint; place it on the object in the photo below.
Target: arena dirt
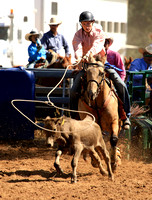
(27, 173)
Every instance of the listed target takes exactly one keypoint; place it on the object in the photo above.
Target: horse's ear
(125, 58)
(91, 58)
(131, 59)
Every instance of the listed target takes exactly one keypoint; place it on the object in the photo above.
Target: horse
(61, 63)
(99, 99)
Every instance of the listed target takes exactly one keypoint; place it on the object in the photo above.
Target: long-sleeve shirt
(138, 65)
(33, 54)
(114, 58)
(84, 43)
(55, 42)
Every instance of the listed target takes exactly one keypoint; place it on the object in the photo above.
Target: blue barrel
(16, 83)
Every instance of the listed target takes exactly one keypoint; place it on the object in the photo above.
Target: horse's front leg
(113, 142)
(57, 162)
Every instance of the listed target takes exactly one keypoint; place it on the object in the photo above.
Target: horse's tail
(137, 110)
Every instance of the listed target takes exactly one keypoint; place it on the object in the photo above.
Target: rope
(50, 103)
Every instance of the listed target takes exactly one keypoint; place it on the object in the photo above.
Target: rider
(54, 42)
(36, 51)
(90, 38)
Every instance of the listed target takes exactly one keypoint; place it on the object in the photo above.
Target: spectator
(114, 57)
(36, 52)
(54, 42)
(140, 64)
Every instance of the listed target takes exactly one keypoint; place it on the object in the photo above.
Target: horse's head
(95, 75)
(62, 62)
(66, 61)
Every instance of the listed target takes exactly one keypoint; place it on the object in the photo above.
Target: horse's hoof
(126, 124)
(113, 167)
(126, 127)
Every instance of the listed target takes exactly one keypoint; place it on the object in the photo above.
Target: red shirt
(114, 59)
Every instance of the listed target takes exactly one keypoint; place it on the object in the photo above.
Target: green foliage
(139, 25)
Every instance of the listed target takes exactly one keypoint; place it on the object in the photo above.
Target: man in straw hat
(36, 52)
(140, 64)
(114, 57)
(54, 42)
(91, 38)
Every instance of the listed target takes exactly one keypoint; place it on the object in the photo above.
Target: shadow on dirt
(49, 176)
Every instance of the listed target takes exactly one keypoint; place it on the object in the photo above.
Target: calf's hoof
(58, 169)
(111, 177)
(104, 172)
(73, 180)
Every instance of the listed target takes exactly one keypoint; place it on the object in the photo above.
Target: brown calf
(76, 137)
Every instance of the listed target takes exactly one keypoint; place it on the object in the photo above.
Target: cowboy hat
(54, 21)
(108, 37)
(33, 32)
(147, 49)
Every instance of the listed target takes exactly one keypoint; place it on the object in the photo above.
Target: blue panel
(16, 83)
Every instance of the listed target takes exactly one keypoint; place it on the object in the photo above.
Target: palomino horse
(99, 99)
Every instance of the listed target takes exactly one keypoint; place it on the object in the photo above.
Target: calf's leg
(57, 162)
(74, 163)
(98, 160)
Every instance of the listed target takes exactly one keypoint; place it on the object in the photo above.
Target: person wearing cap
(36, 52)
(91, 39)
(114, 57)
(140, 64)
(53, 41)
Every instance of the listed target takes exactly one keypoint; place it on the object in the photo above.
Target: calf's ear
(59, 120)
(47, 118)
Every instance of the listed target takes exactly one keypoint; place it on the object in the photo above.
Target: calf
(76, 137)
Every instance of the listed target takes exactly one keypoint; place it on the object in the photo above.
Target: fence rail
(61, 95)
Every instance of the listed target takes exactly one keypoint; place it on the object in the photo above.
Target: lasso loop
(50, 103)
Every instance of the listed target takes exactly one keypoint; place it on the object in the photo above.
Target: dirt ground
(27, 173)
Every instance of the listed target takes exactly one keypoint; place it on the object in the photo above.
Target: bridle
(85, 67)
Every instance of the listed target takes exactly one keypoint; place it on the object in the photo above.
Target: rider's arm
(65, 45)
(77, 45)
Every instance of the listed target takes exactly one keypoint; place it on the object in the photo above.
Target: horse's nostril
(91, 95)
(48, 145)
